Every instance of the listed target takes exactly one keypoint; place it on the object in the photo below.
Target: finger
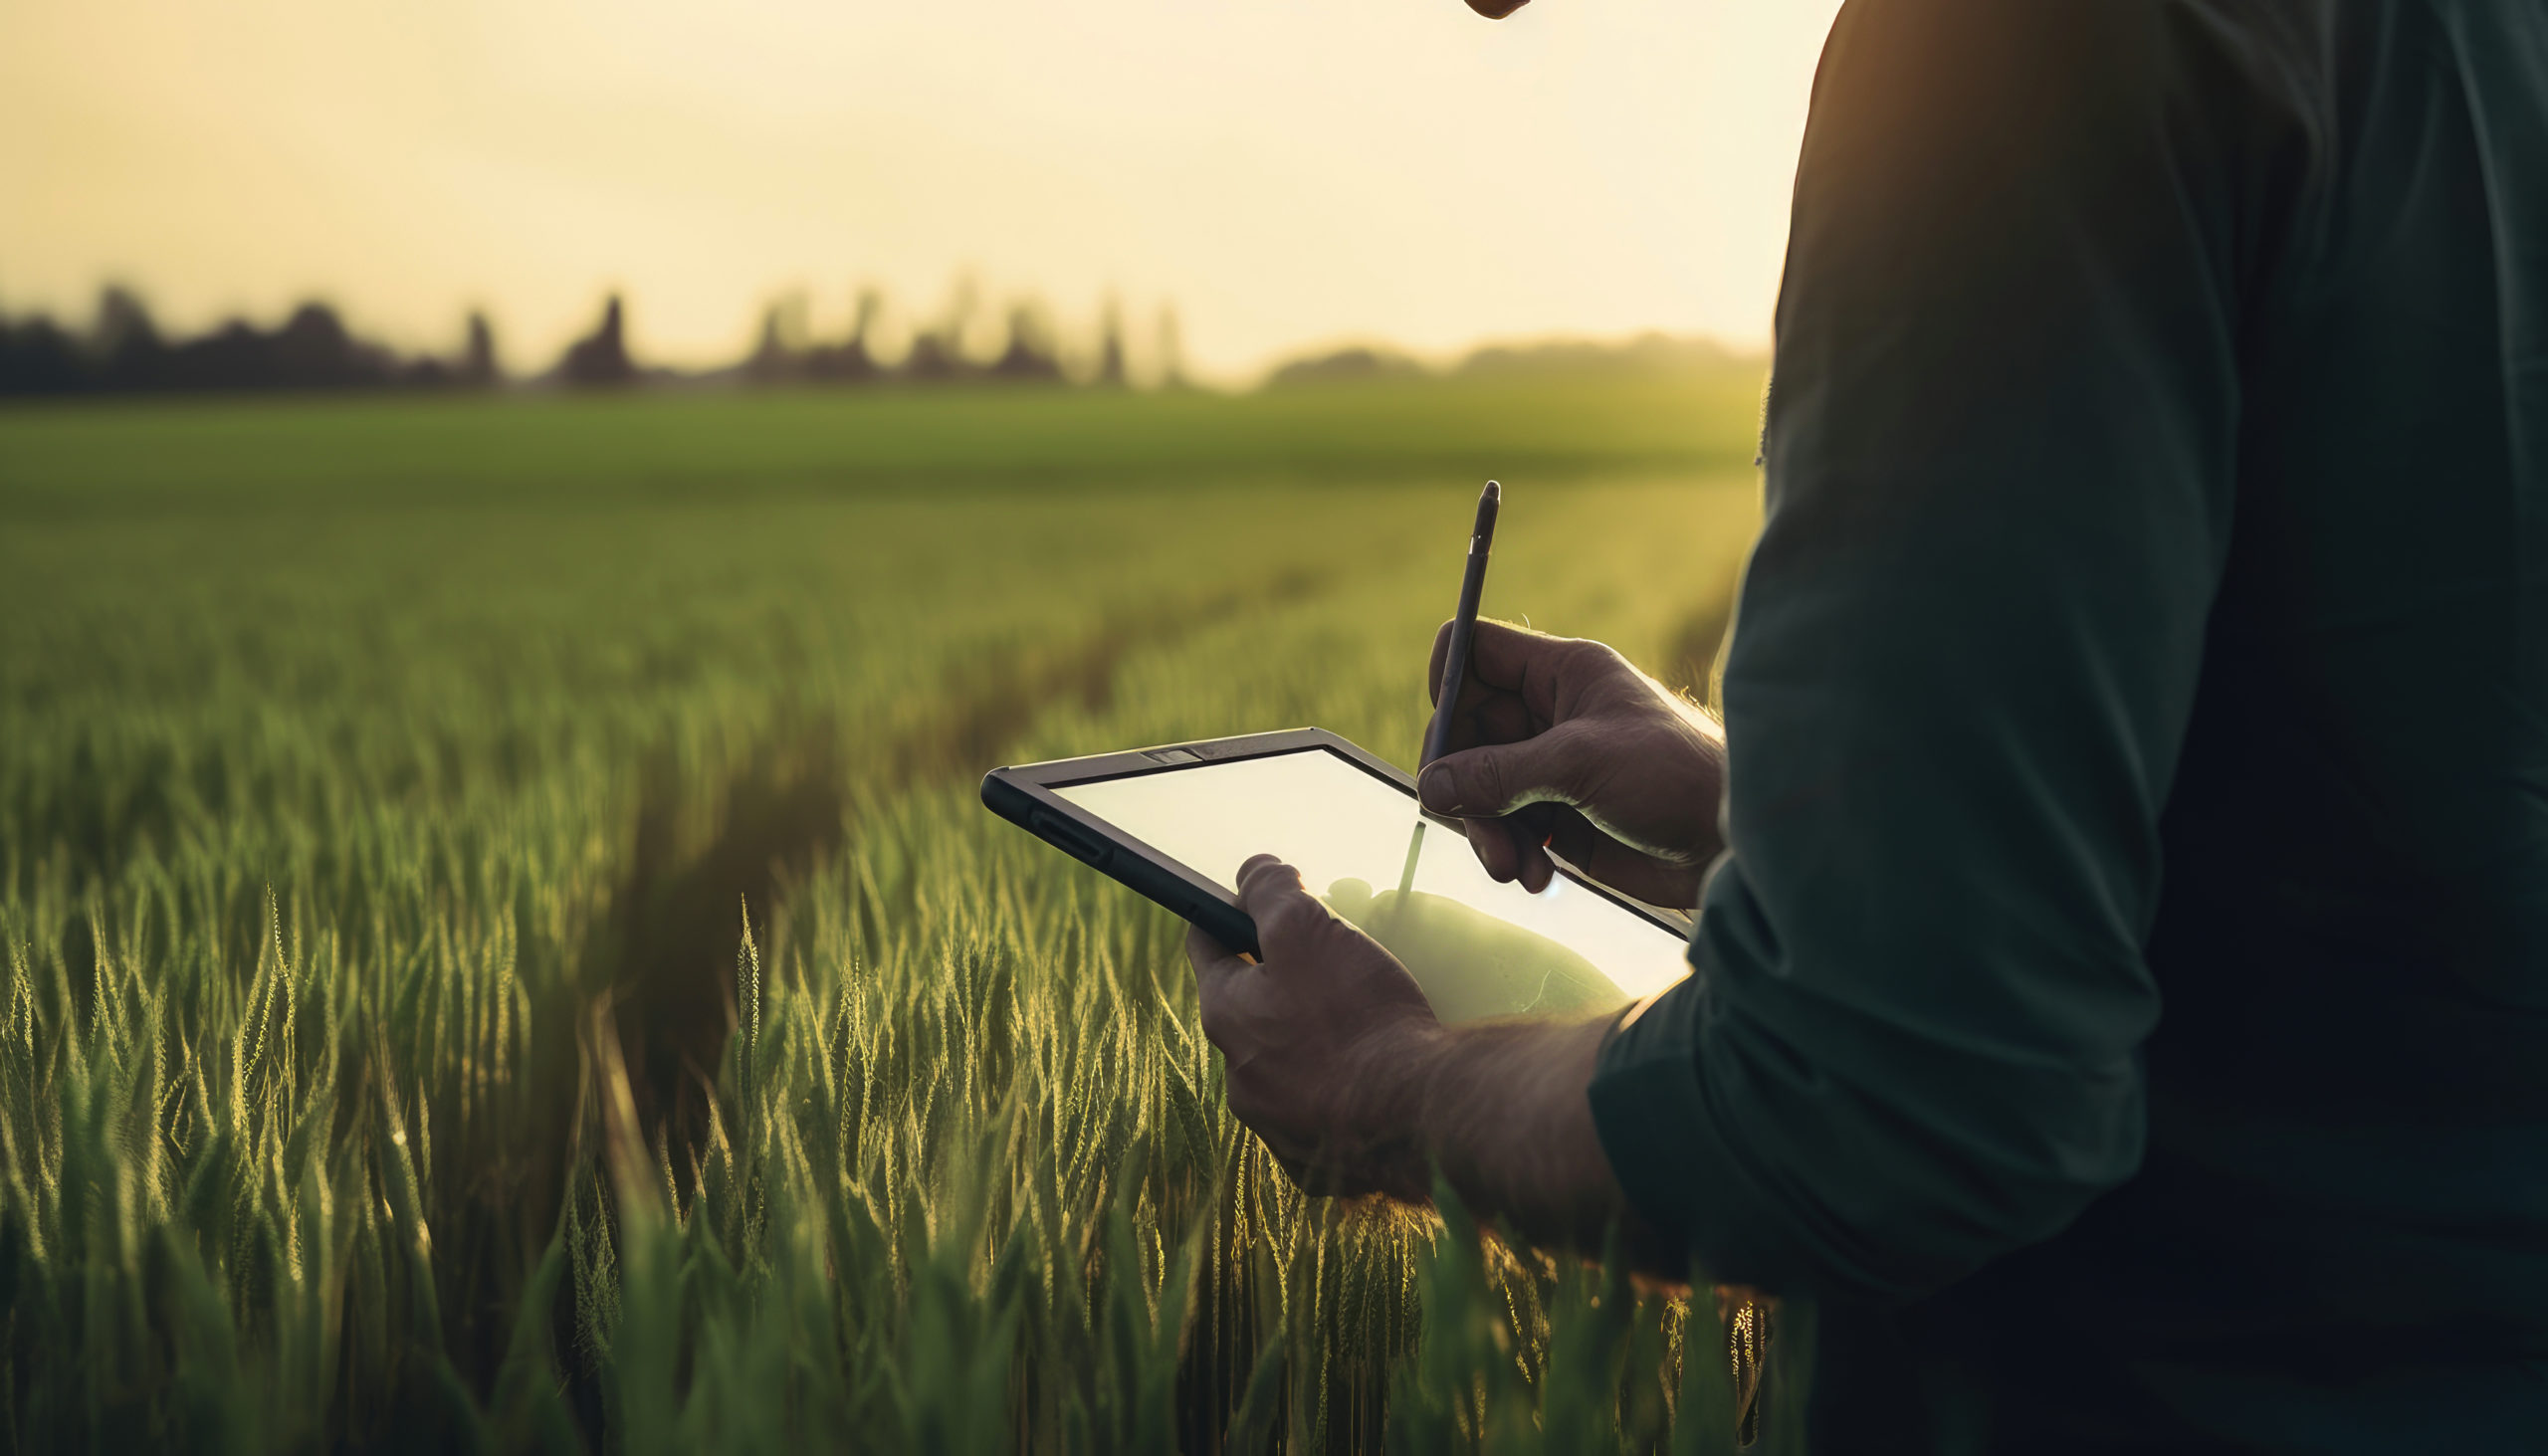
(1494, 780)
(1479, 687)
(1261, 864)
(1273, 896)
(1494, 717)
(1214, 962)
(1528, 833)
(1492, 841)
(1216, 967)
(1597, 853)
(1499, 718)
(1537, 869)
(1624, 867)
(1520, 661)
(1581, 843)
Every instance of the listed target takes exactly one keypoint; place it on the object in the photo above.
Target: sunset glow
(1287, 172)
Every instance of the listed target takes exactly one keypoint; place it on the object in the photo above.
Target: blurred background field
(324, 455)
(503, 950)
(521, 526)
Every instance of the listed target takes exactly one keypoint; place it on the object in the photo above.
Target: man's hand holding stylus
(1561, 744)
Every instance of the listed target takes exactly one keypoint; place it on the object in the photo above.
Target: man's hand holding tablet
(1334, 1056)
(1335, 1060)
(1318, 1034)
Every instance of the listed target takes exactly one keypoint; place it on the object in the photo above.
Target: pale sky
(1289, 172)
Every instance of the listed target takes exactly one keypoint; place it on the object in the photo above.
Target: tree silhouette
(1110, 345)
(771, 360)
(600, 358)
(853, 360)
(479, 367)
(938, 352)
(315, 351)
(1356, 364)
(126, 341)
(124, 350)
(40, 357)
(1031, 357)
(1171, 348)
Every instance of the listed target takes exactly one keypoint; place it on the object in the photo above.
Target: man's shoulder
(2221, 82)
(2285, 34)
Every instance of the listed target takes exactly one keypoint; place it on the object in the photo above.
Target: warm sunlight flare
(1285, 172)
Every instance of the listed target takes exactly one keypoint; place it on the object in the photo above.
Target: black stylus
(1455, 660)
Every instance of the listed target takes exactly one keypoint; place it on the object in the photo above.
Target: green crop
(496, 961)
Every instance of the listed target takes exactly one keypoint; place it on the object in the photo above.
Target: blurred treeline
(124, 351)
(966, 343)
(1646, 354)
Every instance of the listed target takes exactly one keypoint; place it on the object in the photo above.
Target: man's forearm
(1500, 1109)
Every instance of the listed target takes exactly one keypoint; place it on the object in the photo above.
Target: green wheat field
(503, 951)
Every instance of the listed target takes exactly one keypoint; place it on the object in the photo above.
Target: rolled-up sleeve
(2000, 449)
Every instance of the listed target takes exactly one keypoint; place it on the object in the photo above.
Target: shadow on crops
(96, 813)
(662, 968)
(667, 956)
(992, 701)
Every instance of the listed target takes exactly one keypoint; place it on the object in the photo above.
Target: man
(2120, 997)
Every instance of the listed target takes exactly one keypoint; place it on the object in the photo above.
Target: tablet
(1175, 822)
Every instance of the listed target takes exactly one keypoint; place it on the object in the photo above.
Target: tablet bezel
(1025, 795)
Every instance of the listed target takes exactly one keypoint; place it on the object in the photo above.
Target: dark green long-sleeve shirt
(2124, 1001)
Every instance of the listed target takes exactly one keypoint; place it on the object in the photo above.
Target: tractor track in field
(661, 968)
(665, 953)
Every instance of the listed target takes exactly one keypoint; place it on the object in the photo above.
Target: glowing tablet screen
(1480, 948)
